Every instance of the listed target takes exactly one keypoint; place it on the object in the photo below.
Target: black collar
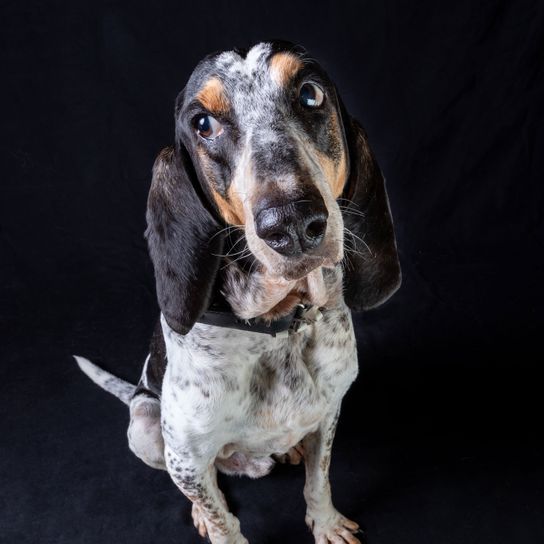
(294, 322)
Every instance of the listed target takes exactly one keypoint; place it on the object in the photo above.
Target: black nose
(293, 228)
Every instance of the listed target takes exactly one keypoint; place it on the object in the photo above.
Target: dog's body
(218, 397)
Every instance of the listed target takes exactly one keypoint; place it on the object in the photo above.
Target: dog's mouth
(304, 266)
(306, 271)
(328, 255)
(292, 240)
(291, 269)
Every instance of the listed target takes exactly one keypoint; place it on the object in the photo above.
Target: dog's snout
(293, 228)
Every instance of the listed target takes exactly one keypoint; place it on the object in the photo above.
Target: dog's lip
(303, 266)
(331, 263)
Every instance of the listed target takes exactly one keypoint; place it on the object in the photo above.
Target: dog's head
(264, 145)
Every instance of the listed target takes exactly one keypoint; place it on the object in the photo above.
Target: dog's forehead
(234, 65)
(250, 82)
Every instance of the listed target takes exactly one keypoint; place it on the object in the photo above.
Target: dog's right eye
(311, 95)
(207, 127)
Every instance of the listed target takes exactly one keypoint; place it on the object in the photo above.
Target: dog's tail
(116, 386)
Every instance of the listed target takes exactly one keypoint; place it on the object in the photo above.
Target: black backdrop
(440, 438)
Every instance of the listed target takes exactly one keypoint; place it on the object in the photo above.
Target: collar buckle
(305, 315)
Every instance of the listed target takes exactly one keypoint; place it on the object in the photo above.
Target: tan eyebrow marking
(212, 96)
(283, 66)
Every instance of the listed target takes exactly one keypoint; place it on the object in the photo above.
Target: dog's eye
(310, 95)
(208, 127)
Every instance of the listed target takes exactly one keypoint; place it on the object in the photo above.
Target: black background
(440, 439)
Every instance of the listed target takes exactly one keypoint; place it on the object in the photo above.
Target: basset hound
(268, 223)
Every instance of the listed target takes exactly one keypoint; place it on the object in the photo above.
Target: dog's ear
(372, 270)
(184, 240)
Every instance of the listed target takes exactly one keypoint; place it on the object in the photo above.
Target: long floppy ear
(184, 240)
(372, 271)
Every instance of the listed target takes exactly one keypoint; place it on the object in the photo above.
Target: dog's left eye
(208, 127)
(310, 95)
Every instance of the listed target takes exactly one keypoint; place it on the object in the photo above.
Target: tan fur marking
(335, 167)
(335, 172)
(283, 66)
(212, 97)
(237, 205)
(231, 210)
(284, 307)
(341, 177)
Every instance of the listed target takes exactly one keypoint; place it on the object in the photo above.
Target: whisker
(230, 252)
(227, 255)
(247, 254)
(229, 227)
(351, 211)
(253, 264)
(348, 201)
(241, 239)
(360, 239)
(346, 263)
(354, 252)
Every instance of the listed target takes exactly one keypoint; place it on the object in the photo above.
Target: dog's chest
(253, 393)
(284, 400)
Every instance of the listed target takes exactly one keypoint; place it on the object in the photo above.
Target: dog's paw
(237, 539)
(293, 457)
(333, 529)
(199, 520)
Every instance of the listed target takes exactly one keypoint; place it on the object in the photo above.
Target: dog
(268, 223)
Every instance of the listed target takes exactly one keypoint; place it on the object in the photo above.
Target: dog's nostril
(313, 231)
(276, 237)
(279, 241)
(316, 228)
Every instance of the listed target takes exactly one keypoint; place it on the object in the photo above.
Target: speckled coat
(259, 133)
(239, 397)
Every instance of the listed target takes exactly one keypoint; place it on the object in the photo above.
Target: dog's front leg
(326, 523)
(197, 481)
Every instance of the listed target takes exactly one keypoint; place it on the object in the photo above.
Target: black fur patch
(183, 242)
(372, 274)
